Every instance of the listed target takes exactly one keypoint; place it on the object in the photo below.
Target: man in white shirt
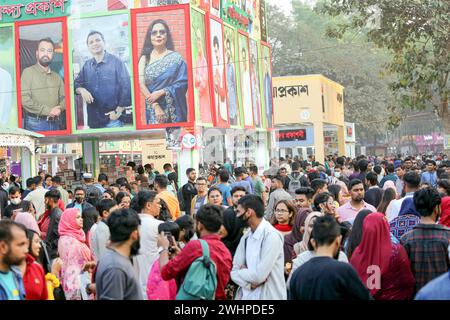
(149, 206)
(258, 265)
(37, 197)
(411, 181)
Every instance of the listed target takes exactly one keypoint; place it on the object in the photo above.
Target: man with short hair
(319, 186)
(31, 185)
(56, 183)
(202, 195)
(188, 190)
(323, 277)
(390, 176)
(246, 177)
(37, 197)
(225, 187)
(100, 236)
(350, 210)
(412, 183)
(374, 194)
(430, 176)
(16, 204)
(208, 223)
(427, 244)
(51, 204)
(304, 198)
(42, 90)
(258, 265)
(115, 278)
(239, 174)
(169, 198)
(167, 169)
(79, 202)
(294, 179)
(102, 182)
(400, 173)
(149, 207)
(283, 172)
(408, 164)
(276, 196)
(13, 252)
(232, 223)
(104, 84)
(259, 188)
(92, 192)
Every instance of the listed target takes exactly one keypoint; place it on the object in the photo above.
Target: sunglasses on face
(161, 32)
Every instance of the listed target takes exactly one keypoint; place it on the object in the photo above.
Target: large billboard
(8, 106)
(101, 62)
(98, 66)
(161, 49)
(218, 75)
(42, 76)
(200, 62)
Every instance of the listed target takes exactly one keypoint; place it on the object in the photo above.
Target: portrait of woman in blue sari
(163, 77)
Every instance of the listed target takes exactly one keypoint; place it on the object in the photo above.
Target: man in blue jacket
(13, 251)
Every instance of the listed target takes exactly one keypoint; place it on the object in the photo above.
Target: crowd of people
(352, 229)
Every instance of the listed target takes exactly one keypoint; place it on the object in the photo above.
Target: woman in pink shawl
(28, 221)
(73, 251)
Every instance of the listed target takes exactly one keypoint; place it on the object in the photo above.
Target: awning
(16, 137)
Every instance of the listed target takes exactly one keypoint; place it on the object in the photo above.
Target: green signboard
(20, 10)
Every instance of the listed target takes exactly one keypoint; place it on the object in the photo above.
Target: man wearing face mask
(258, 265)
(16, 203)
(323, 277)
(115, 278)
(427, 243)
(209, 221)
(80, 202)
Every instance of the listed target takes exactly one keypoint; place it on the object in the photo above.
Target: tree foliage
(417, 35)
(300, 46)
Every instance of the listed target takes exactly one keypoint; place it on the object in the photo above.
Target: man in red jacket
(209, 220)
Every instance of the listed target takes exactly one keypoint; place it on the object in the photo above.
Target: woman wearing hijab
(445, 212)
(306, 250)
(408, 218)
(302, 246)
(356, 234)
(395, 279)
(73, 251)
(296, 235)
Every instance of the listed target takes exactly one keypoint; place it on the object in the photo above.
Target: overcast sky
(284, 4)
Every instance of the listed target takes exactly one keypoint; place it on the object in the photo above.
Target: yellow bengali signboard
(312, 98)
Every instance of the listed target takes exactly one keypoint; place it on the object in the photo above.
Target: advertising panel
(255, 81)
(162, 51)
(86, 6)
(219, 86)
(101, 62)
(200, 62)
(42, 72)
(266, 84)
(246, 88)
(8, 106)
(231, 72)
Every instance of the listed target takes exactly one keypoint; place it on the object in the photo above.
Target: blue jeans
(39, 125)
(114, 124)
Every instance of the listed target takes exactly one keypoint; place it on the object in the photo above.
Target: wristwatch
(161, 250)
